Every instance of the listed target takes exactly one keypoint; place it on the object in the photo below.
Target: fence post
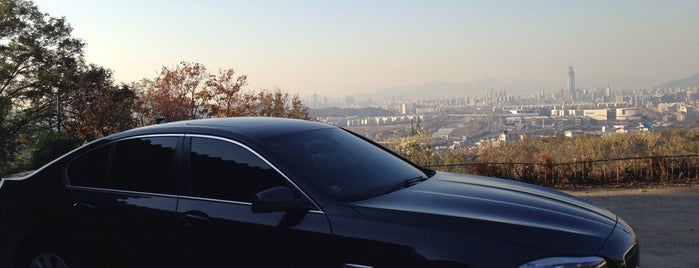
(549, 168)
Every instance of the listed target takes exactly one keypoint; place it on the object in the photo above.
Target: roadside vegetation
(669, 156)
(51, 100)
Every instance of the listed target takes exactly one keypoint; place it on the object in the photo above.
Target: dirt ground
(666, 220)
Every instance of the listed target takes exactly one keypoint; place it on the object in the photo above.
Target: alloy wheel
(47, 260)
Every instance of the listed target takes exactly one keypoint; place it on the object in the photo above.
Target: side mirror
(274, 199)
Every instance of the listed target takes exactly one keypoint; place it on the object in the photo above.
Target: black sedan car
(251, 192)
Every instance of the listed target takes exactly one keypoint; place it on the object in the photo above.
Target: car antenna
(161, 120)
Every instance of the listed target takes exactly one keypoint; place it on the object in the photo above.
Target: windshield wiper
(407, 183)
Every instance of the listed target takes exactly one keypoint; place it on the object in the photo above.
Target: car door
(220, 228)
(121, 202)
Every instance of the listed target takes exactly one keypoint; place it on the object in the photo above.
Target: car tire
(44, 255)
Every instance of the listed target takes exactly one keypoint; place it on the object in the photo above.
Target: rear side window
(139, 164)
(90, 168)
(227, 171)
(144, 165)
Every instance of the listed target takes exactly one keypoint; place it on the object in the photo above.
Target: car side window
(144, 165)
(90, 168)
(139, 164)
(227, 171)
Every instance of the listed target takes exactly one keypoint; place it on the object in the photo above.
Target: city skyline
(338, 48)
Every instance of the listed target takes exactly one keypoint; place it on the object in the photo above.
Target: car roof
(251, 127)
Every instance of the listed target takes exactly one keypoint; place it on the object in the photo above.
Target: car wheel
(46, 260)
(45, 256)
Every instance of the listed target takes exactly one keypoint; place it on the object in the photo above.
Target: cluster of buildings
(381, 120)
(570, 111)
(613, 114)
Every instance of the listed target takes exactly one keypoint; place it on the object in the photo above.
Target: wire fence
(593, 171)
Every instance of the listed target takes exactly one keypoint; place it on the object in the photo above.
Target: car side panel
(29, 212)
(119, 228)
(362, 241)
(219, 233)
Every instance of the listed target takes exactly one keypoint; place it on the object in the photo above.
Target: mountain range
(478, 88)
(691, 81)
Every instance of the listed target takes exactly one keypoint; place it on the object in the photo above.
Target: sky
(338, 48)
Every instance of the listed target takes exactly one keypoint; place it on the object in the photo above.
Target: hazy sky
(342, 47)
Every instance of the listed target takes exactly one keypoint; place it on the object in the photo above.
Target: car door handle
(192, 217)
(83, 206)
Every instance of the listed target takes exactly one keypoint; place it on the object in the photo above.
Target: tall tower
(571, 83)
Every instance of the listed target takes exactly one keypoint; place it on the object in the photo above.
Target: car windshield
(342, 164)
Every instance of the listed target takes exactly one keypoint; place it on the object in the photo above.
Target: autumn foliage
(95, 107)
(189, 91)
(669, 156)
(50, 96)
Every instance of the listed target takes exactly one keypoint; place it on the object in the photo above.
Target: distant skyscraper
(403, 109)
(571, 83)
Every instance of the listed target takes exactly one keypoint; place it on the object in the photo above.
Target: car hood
(497, 210)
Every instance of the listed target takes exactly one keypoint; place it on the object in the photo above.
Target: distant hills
(479, 87)
(691, 81)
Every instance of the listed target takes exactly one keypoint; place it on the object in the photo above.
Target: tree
(279, 104)
(188, 91)
(416, 148)
(179, 93)
(37, 52)
(142, 112)
(96, 107)
(298, 110)
(226, 93)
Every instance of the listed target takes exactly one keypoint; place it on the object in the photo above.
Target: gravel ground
(666, 220)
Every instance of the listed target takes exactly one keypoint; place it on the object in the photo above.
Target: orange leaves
(94, 107)
(189, 92)
(177, 93)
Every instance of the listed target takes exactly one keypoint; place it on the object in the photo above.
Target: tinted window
(141, 164)
(90, 168)
(144, 165)
(223, 170)
(342, 164)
